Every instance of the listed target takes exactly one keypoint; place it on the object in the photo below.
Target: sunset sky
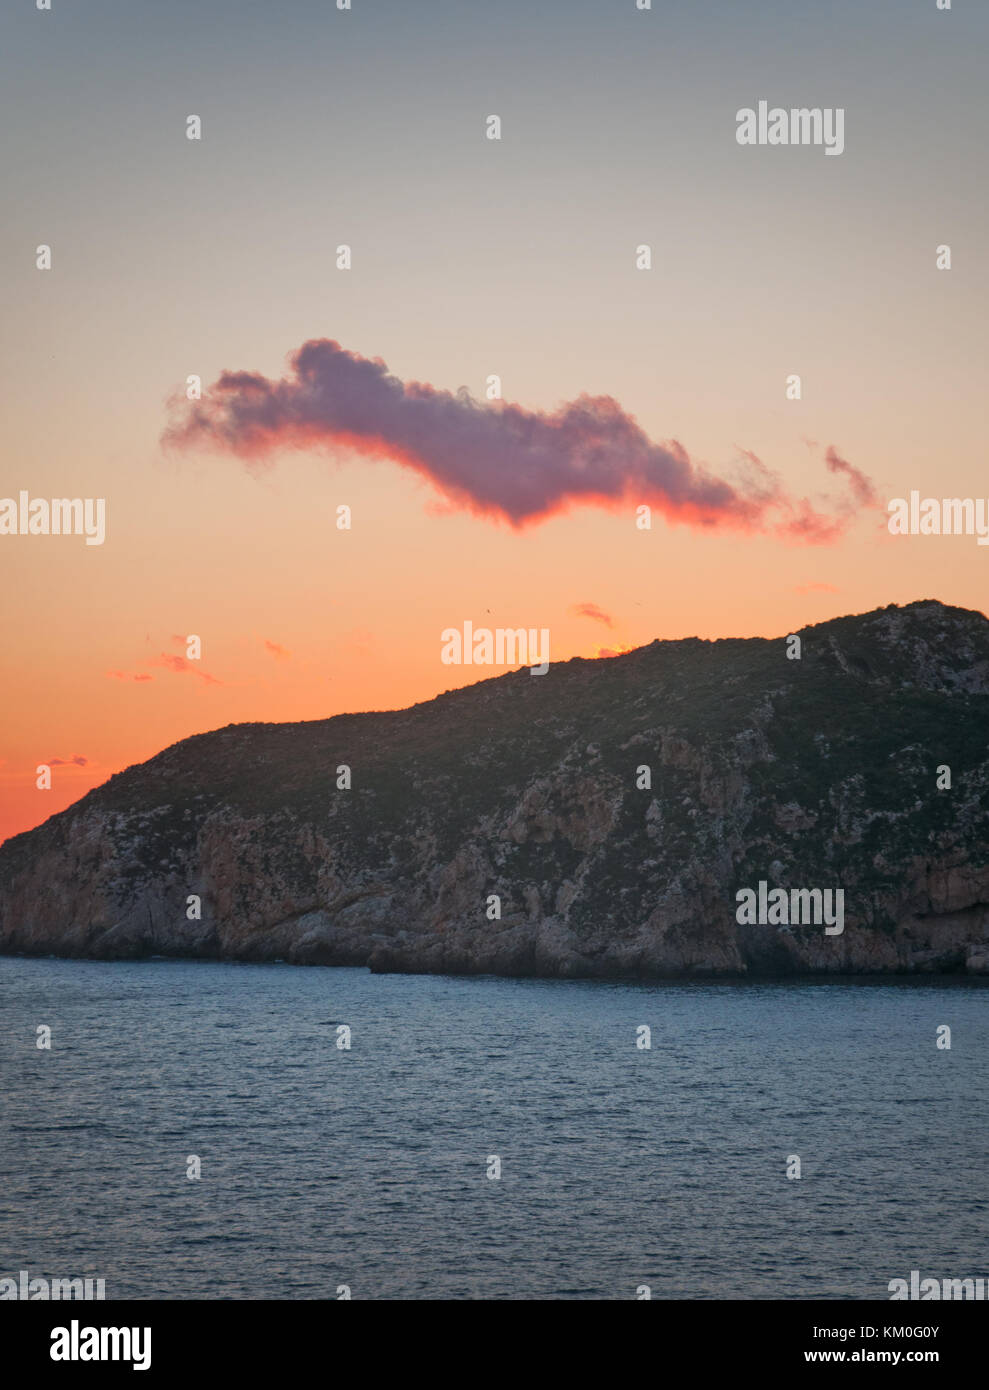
(471, 257)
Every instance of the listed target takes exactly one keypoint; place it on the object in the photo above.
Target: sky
(470, 258)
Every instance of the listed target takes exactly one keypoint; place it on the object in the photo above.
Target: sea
(200, 1130)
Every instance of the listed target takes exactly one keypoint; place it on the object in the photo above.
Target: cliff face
(812, 773)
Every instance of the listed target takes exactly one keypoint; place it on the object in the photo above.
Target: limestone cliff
(815, 772)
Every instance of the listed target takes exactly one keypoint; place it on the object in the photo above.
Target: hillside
(817, 772)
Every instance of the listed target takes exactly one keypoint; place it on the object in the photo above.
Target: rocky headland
(612, 807)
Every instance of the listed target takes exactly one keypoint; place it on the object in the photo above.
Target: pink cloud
(862, 488)
(181, 666)
(591, 610)
(498, 461)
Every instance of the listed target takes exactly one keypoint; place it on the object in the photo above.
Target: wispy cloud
(183, 667)
(496, 460)
(591, 610)
(77, 760)
(862, 488)
(278, 652)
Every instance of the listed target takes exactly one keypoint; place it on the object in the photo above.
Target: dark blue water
(368, 1167)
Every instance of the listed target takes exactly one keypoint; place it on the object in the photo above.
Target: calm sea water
(368, 1167)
